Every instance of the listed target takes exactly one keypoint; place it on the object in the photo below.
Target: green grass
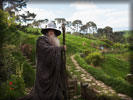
(75, 43)
(115, 67)
(127, 34)
(117, 83)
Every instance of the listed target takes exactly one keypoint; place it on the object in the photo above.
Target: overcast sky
(115, 15)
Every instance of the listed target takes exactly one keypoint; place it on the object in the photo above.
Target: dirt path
(98, 86)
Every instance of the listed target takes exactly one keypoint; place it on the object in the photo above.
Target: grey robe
(49, 83)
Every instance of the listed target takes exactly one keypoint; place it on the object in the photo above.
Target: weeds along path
(28, 89)
(97, 86)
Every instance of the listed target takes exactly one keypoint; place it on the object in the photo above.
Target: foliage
(8, 60)
(119, 37)
(28, 75)
(107, 41)
(117, 45)
(12, 62)
(15, 4)
(3, 25)
(13, 88)
(95, 58)
(126, 45)
(87, 51)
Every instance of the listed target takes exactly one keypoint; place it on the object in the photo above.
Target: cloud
(42, 13)
(86, 11)
(83, 5)
(113, 17)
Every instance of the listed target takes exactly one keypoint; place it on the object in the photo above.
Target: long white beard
(54, 40)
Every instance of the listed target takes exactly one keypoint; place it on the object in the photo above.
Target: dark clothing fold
(49, 83)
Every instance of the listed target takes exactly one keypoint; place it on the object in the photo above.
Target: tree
(88, 25)
(118, 37)
(27, 17)
(94, 27)
(108, 31)
(91, 26)
(100, 31)
(68, 26)
(9, 5)
(59, 21)
(45, 21)
(83, 28)
(76, 23)
(36, 23)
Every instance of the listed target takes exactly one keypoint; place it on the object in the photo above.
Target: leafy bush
(12, 62)
(117, 45)
(86, 52)
(107, 41)
(28, 75)
(8, 60)
(13, 88)
(16, 83)
(7, 27)
(94, 58)
(126, 45)
(3, 25)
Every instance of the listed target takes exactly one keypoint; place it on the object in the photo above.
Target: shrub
(16, 83)
(13, 88)
(3, 25)
(94, 58)
(8, 60)
(126, 45)
(117, 45)
(86, 52)
(107, 41)
(28, 74)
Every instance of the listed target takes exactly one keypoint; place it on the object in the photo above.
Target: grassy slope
(112, 66)
(75, 43)
(115, 67)
(117, 83)
(128, 33)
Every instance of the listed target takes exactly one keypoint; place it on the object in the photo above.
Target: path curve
(92, 82)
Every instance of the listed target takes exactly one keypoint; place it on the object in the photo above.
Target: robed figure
(49, 82)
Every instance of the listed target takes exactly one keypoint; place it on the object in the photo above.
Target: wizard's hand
(65, 48)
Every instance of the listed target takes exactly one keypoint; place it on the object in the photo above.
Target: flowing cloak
(50, 72)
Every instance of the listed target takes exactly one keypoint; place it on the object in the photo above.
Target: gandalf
(49, 83)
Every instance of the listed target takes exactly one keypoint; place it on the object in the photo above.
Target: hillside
(115, 66)
(97, 64)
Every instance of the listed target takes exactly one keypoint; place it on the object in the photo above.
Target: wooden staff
(67, 96)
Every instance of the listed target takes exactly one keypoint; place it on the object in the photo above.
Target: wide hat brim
(57, 32)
